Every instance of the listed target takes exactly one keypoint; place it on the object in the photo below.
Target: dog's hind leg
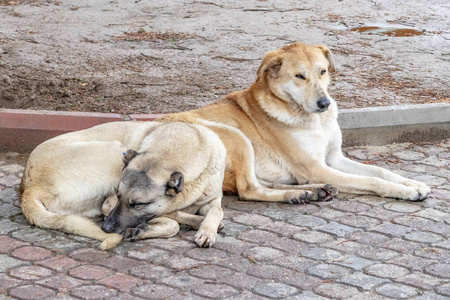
(37, 214)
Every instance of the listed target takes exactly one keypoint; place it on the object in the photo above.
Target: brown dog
(282, 133)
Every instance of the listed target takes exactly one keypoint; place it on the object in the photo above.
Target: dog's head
(299, 75)
(142, 194)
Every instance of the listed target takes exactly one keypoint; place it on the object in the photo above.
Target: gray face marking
(137, 179)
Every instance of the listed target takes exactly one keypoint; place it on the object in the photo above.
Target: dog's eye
(137, 205)
(323, 72)
(300, 76)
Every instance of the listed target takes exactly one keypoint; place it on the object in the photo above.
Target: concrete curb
(22, 130)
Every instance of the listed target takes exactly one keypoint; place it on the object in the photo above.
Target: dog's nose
(323, 103)
(107, 227)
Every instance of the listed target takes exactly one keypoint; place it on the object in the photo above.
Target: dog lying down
(176, 172)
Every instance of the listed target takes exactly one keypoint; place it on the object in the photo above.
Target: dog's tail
(37, 214)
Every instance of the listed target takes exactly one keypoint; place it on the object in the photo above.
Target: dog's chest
(273, 170)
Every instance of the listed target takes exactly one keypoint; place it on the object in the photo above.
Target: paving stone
(321, 254)
(396, 290)
(90, 272)
(7, 244)
(148, 271)
(91, 292)
(208, 254)
(330, 214)
(362, 281)
(233, 229)
(440, 270)
(444, 289)
(354, 262)
(182, 281)
(182, 263)
(423, 237)
(412, 262)
(444, 244)
(302, 281)
(61, 282)
(423, 281)
(337, 229)
(33, 234)
(7, 210)
(9, 181)
(328, 271)
(31, 253)
(381, 213)
(270, 272)
(6, 226)
(263, 253)
(274, 290)
(403, 207)
(30, 273)
(370, 238)
(7, 282)
(351, 206)
(297, 263)
(373, 252)
(306, 295)
(59, 263)
(409, 155)
(215, 290)
(313, 237)
(8, 195)
(305, 220)
(12, 169)
(401, 245)
(253, 220)
(390, 229)
(414, 222)
(239, 280)
(345, 245)
(232, 245)
(174, 244)
(237, 263)
(259, 236)
(89, 255)
(7, 262)
(368, 296)
(434, 253)
(433, 214)
(431, 180)
(386, 271)
(32, 292)
(336, 290)
(119, 263)
(283, 228)
(372, 200)
(122, 282)
(210, 272)
(358, 221)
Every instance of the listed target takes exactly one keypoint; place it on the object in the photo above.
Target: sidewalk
(354, 247)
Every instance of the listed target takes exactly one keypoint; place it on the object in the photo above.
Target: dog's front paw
(205, 238)
(304, 198)
(133, 234)
(326, 193)
(111, 242)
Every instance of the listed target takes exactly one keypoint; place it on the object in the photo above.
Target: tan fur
(279, 136)
(67, 178)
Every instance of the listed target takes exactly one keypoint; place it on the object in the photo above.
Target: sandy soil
(166, 56)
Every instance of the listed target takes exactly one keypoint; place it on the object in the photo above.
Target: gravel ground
(161, 57)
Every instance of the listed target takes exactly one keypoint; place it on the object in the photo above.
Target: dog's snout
(108, 227)
(323, 103)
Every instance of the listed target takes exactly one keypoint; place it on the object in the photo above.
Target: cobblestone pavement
(354, 247)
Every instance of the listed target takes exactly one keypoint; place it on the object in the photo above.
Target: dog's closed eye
(323, 72)
(300, 76)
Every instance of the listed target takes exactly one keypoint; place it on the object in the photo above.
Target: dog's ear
(329, 56)
(175, 184)
(128, 156)
(271, 62)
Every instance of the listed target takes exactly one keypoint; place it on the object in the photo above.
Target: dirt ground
(167, 56)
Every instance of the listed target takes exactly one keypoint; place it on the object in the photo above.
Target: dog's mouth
(320, 110)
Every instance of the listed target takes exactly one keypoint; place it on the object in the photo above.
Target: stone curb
(22, 130)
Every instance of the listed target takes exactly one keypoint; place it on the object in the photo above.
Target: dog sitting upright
(177, 171)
